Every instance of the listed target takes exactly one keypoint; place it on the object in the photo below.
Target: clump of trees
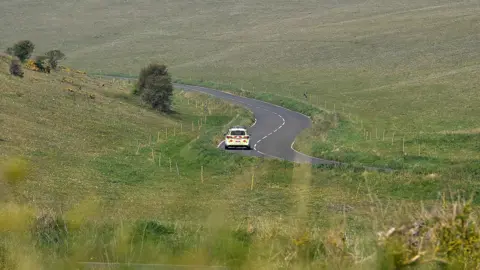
(41, 64)
(155, 87)
(23, 50)
(53, 57)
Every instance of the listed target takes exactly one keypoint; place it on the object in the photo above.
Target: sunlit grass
(133, 191)
(95, 192)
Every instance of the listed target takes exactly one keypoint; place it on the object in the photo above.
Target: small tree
(16, 68)
(23, 49)
(41, 65)
(155, 87)
(53, 57)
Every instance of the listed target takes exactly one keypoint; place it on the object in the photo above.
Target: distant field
(401, 67)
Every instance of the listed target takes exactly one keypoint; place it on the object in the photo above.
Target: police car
(237, 136)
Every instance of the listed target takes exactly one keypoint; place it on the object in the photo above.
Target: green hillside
(400, 68)
(103, 178)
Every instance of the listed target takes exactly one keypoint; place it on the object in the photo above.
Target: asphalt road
(274, 131)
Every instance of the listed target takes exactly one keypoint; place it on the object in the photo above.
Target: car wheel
(226, 147)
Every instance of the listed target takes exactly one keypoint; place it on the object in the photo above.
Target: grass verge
(339, 136)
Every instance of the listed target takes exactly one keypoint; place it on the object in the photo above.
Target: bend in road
(274, 131)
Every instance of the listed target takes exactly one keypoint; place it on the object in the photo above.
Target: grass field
(400, 68)
(94, 192)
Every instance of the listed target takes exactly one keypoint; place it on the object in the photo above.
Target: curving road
(274, 131)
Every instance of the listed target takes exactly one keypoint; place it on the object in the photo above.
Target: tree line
(23, 50)
(154, 85)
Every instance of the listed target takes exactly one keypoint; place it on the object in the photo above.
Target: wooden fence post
(253, 176)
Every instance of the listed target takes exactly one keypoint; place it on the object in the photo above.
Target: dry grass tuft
(447, 235)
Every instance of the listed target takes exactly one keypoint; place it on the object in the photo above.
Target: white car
(237, 136)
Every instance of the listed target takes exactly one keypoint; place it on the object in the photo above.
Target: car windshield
(237, 132)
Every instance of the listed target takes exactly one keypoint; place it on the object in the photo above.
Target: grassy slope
(388, 90)
(89, 145)
(401, 67)
(84, 162)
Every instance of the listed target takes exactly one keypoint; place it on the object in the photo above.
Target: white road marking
(254, 122)
(283, 120)
(220, 143)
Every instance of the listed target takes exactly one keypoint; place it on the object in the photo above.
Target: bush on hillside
(16, 68)
(41, 64)
(23, 49)
(155, 87)
(50, 230)
(53, 57)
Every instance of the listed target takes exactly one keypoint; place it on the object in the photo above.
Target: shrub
(23, 49)
(155, 87)
(50, 231)
(40, 63)
(16, 68)
(53, 57)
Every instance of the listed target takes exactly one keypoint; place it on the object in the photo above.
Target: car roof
(238, 127)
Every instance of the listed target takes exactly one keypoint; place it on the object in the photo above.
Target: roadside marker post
(253, 177)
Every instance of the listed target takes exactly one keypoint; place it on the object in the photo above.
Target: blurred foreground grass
(438, 235)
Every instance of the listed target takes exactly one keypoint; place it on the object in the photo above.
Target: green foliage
(53, 57)
(16, 68)
(151, 230)
(155, 87)
(23, 49)
(135, 89)
(49, 231)
(231, 247)
(41, 63)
